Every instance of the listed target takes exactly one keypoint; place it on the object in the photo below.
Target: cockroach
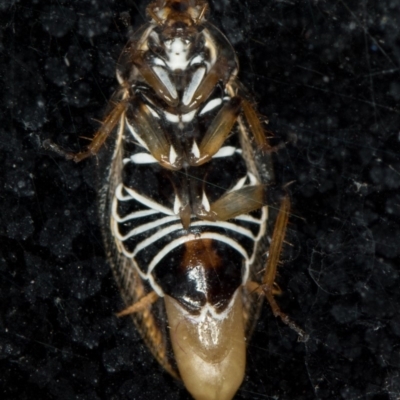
(183, 198)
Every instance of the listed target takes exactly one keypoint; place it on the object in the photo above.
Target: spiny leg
(98, 140)
(255, 127)
(153, 14)
(154, 81)
(202, 13)
(134, 292)
(217, 132)
(237, 202)
(207, 86)
(142, 304)
(268, 287)
(235, 88)
(151, 133)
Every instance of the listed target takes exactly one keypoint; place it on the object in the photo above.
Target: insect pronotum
(183, 198)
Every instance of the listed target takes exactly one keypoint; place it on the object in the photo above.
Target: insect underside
(183, 198)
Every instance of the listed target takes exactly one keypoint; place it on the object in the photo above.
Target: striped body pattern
(147, 226)
(171, 187)
(183, 199)
(148, 202)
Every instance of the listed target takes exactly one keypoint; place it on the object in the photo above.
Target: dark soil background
(326, 74)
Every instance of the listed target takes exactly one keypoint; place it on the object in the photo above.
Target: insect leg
(215, 75)
(254, 124)
(235, 88)
(149, 131)
(98, 140)
(140, 305)
(238, 202)
(154, 81)
(268, 287)
(217, 132)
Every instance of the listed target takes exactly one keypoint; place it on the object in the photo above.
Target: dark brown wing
(151, 323)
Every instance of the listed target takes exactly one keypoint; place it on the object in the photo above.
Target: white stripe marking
(250, 218)
(195, 150)
(145, 227)
(207, 235)
(177, 205)
(148, 202)
(156, 236)
(210, 106)
(172, 228)
(120, 196)
(197, 60)
(204, 202)
(225, 151)
(228, 226)
(171, 117)
(164, 77)
(189, 116)
(135, 135)
(153, 113)
(134, 215)
(211, 46)
(143, 158)
(158, 61)
(172, 155)
(253, 180)
(197, 77)
(239, 184)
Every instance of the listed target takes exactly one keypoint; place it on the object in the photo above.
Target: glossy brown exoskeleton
(183, 198)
